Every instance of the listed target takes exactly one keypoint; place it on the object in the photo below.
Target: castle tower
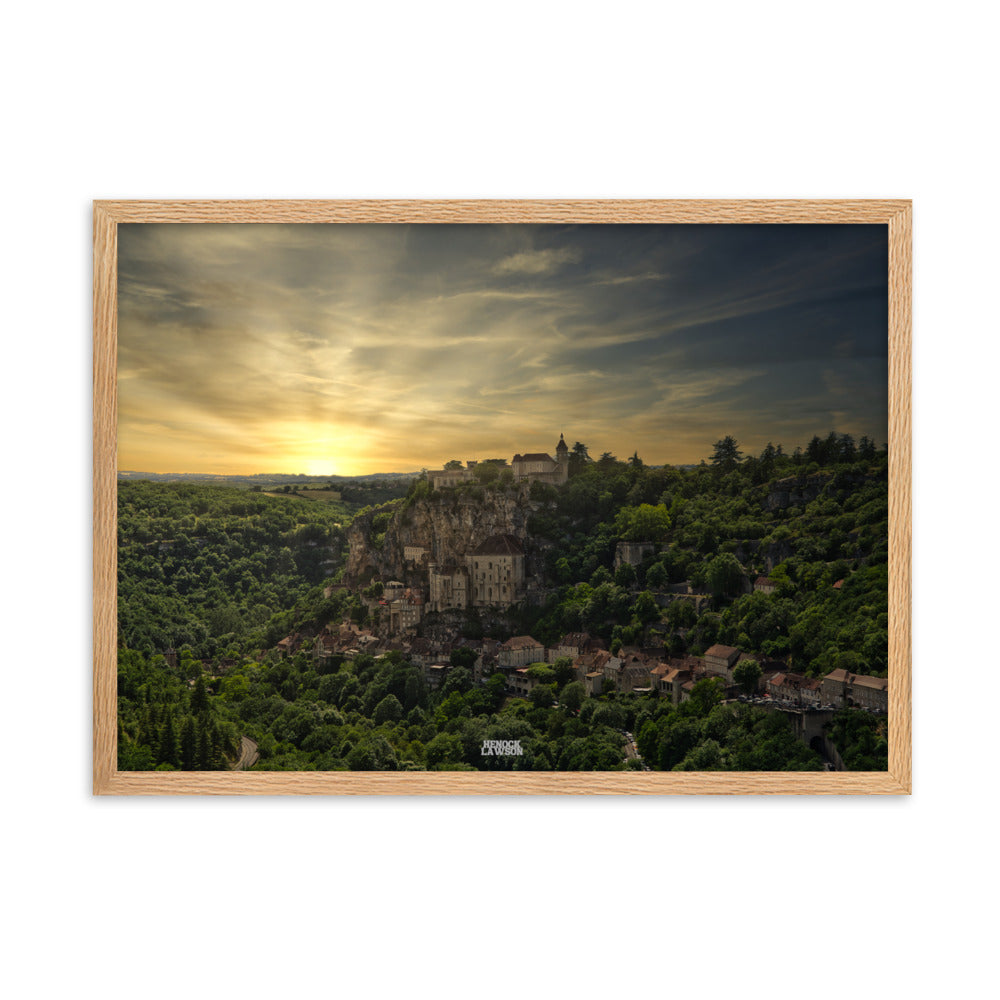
(562, 457)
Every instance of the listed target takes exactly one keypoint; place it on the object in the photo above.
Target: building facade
(519, 651)
(541, 467)
(496, 572)
(528, 468)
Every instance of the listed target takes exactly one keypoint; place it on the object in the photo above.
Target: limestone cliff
(797, 491)
(447, 525)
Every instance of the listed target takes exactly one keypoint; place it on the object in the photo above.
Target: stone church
(492, 576)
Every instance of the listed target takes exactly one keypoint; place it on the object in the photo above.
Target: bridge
(807, 724)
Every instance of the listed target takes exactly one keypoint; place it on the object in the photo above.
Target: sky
(345, 349)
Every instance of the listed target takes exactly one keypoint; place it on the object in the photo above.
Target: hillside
(234, 622)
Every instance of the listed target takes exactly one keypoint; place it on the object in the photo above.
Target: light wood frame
(107, 780)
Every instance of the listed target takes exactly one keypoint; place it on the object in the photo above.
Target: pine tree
(199, 697)
(189, 744)
(204, 749)
(168, 752)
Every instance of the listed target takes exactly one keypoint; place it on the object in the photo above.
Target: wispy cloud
(360, 348)
(536, 262)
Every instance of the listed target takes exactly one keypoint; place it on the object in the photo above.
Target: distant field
(326, 496)
(322, 495)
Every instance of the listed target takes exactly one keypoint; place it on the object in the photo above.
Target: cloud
(261, 348)
(536, 262)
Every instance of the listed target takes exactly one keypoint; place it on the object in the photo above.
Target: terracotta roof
(581, 640)
(723, 652)
(500, 545)
(763, 581)
(838, 676)
(692, 663)
(877, 683)
(521, 642)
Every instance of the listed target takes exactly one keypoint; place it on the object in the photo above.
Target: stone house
(628, 672)
(448, 587)
(434, 674)
(451, 477)
(414, 553)
(871, 692)
(843, 688)
(836, 687)
(812, 692)
(325, 647)
(573, 644)
(720, 660)
(519, 651)
(796, 688)
(670, 683)
(519, 683)
(406, 612)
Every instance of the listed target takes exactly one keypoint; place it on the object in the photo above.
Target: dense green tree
(207, 574)
(572, 696)
(747, 674)
(464, 656)
(646, 610)
(542, 695)
(459, 680)
(388, 709)
(644, 523)
(199, 696)
(725, 575)
(705, 695)
(168, 751)
(726, 455)
(189, 744)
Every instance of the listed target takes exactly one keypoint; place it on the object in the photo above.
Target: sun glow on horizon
(352, 350)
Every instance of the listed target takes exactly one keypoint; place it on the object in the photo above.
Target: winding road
(248, 754)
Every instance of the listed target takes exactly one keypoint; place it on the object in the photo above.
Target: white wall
(370, 898)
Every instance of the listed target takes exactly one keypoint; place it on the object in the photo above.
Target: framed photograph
(502, 497)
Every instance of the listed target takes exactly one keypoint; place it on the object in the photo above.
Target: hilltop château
(529, 468)
(456, 552)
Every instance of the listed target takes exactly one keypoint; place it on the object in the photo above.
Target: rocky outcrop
(447, 525)
(797, 491)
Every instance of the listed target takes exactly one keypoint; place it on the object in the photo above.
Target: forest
(213, 577)
(221, 571)
(719, 526)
